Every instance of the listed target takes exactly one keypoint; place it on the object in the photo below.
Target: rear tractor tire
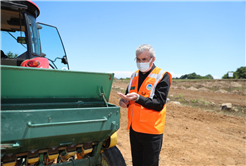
(112, 157)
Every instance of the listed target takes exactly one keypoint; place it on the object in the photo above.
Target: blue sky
(205, 37)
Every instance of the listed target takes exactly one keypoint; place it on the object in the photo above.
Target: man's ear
(153, 59)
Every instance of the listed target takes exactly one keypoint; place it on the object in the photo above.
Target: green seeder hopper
(51, 115)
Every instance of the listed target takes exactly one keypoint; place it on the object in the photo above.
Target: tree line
(240, 73)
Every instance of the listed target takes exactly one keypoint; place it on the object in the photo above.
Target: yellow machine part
(86, 151)
(9, 163)
(83, 153)
(68, 155)
(52, 156)
(32, 160)
(113, 140)
(49, 159)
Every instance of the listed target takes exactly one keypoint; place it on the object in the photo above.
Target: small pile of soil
(203, 89)
(221, 91)
(191, 88)
(181, 87)
(174, 87)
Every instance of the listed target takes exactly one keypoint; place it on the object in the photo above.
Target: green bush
(239, 73)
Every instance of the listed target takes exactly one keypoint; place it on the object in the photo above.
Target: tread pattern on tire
(114, 157)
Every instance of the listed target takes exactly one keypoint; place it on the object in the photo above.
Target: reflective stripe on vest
(140, 118)
(133, 75)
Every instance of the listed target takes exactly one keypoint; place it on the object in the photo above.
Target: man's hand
(129, 97)
(123, 103)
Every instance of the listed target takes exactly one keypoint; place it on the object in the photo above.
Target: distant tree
(241, 72)
(11, 55)
(209, 76)
(195, 76)
(226, 75)
(184, 76)
(192, 76)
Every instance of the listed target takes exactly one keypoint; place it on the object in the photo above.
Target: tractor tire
(112, 157)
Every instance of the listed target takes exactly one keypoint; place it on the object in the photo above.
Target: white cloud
(121, 74)
(175, 75)
(216, 77)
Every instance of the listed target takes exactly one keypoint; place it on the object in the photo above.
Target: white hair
(144, 47)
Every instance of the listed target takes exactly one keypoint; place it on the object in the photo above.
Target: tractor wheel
(112, 157)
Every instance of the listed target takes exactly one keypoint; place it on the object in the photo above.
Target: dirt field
(193, 135)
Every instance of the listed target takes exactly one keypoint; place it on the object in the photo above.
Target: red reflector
(33, 63)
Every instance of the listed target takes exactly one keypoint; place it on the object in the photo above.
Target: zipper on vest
(133, 110)
(132, 114)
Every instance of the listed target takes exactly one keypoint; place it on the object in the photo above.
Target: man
(146, 101)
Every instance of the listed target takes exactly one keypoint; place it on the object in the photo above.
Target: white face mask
(144, 67)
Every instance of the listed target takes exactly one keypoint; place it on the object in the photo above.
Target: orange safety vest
(141, 119)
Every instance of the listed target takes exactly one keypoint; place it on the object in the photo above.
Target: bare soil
(215, 97)
(194, 135)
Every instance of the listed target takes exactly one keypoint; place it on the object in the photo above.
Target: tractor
(51, 115)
